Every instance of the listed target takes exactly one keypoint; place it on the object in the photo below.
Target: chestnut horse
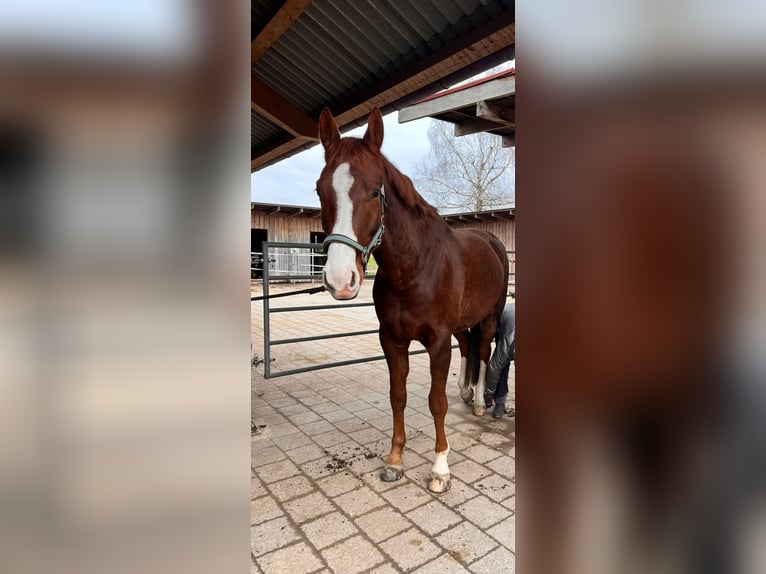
(432, 282)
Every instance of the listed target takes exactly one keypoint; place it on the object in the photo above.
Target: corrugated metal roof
(264, 130)
(339, 50)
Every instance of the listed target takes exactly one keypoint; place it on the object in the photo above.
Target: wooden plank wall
(505, 229)
(298, 228)
(282, 227)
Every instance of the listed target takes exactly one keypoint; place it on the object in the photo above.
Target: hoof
(467, 396)
(440, 483)
(391, 473)
(478, 410)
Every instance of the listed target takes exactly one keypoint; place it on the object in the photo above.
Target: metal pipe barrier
(268, 311)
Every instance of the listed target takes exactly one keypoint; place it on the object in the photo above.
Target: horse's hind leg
(398, 361)
(488, 330)
(439, 352)
(463, 341)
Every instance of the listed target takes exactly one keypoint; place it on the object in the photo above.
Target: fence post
(266, 326)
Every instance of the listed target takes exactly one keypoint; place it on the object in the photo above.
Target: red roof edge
(498, 75)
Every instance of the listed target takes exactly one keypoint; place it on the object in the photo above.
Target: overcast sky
(292, 181)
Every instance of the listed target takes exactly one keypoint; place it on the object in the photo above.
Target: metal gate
(314, 249)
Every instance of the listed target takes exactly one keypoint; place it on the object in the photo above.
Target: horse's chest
(410, 318)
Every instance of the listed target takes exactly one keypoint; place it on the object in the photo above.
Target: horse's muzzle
(348, 291)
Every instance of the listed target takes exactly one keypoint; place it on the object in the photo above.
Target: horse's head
(351, 192)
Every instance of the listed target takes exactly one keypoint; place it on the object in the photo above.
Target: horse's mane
(405, 190)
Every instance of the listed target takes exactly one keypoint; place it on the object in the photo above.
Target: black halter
(374, 243)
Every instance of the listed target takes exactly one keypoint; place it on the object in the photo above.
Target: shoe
(499, 411)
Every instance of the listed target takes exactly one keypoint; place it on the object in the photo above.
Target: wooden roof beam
(493, 112)
(277, 26)
(499, 88)
(278, 110)
(475, 126)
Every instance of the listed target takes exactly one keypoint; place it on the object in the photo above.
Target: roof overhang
(310, 54)
(485, 105)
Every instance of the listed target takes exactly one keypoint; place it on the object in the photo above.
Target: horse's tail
(472, 359)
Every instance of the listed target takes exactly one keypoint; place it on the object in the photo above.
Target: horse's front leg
(439, 351)
(466, 392)
(398, 361)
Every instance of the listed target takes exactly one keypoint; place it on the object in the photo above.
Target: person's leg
(501, 394)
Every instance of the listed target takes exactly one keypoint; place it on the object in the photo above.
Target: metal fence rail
(268, 311)
(316, 250)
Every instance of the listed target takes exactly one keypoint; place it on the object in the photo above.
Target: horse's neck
(405, 244)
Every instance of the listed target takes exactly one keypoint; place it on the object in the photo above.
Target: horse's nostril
(352, 284)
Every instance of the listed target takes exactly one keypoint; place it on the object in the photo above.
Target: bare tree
(467, 173)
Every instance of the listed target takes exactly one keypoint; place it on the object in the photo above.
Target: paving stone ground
(318, 504)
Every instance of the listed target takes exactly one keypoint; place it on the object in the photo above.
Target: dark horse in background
(432, 282)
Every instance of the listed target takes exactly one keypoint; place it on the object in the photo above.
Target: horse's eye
(375, 192)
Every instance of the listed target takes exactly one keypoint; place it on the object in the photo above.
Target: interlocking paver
(317, 497)
(308, 507)
(359, 501)
(482, 511)
(296, 558)
(290, 488)
(407, 497)
(466, 542)
(382, 524)
(384, 569)
(271, 535)
(366, 435)
(324, 408)
(328, 529)
(256, 488)
(496, 487)
(339, 483)
(320, 467)
(351, 425)
(275, 471)
(283, 429)
(469, 471)
(263, 509)
(505, 533)
(481, 453)
(445, 564)
(337, 415)
(504, 466)
(317, 427)
(292, 441)
(304, 418)
(305, 453)
(267, 455)
(410, 549)
(330, 438)
(353, 555)
(434, 517)
(499, 560)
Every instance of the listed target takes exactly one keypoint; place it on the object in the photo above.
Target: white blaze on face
(341, 259)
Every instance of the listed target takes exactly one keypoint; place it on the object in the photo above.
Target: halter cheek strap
(374, 243)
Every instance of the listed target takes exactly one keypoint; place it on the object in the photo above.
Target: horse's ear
(329, 134)
(373, 137)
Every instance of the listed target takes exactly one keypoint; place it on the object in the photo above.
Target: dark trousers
(502, 384)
